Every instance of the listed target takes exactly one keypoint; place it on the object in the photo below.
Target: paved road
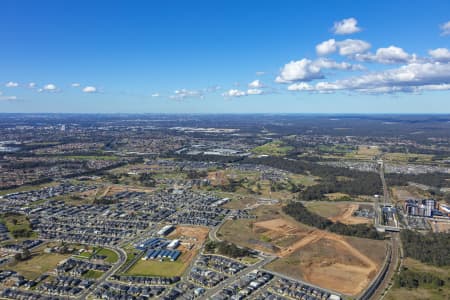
(396, 257)
(122, 259)
(385, 188)
(213, 232)
(231, 280)
(302, 282)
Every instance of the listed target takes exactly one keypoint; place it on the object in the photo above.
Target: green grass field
(306, 180)
(111, 256)
(37, 265)
(158, 268)
(92, 274)
(275, 148)
(325, 209)
(408, 157)
(17, 225)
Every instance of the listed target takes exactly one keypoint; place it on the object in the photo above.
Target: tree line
(413, 279)
(300, 213)
(227, 249)
(435, 179)
(432, 248)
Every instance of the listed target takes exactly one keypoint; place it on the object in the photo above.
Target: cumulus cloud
(32, 85)
(48, 88)
(300, 70)
(351, 47)
(324, 63)
(440, 54)
(326, 47)
(90, 89)
(254, 92)
(255, 84)
(182, 94)
(234, 93)
(389, 55)
(413, 77)
(308, 70)
(7, 98)
(348, 47)
(435, 87)
(445, 28)
(75, 84)
(156, 95)
(346, 26)
(11, 84)
(301, 86)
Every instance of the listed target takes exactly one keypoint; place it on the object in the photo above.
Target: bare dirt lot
(331, 261)
(338, 212)
(190, 236)
(402, 193)
(346, 215)
(339, 263)
(440, 226)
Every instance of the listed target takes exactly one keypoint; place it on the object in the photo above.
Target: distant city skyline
(225, 57)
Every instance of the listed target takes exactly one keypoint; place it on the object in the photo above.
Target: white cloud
(90, 89)
(234, 93)
(254, 92)
(445, 28)
(346, 26)
(156, 95)
(414, 77)
(389, 55)
(350, 47)
(11, 84)
(255, 84)
(182, 94)
(300, 70)
(7, 98)
(75, 84)
(301, 86)
(307, 70)
(436, 87)
(32, 85)
(324, 87)
(49, 88)
(325, 63)
(260, 73)
(440, 54)
(326, 47)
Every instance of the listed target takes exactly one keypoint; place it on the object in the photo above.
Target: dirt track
(346, 217)
(349, 276)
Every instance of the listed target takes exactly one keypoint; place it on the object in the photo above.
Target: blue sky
(225, 56)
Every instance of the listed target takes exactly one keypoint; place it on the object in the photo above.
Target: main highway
(377, 288)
